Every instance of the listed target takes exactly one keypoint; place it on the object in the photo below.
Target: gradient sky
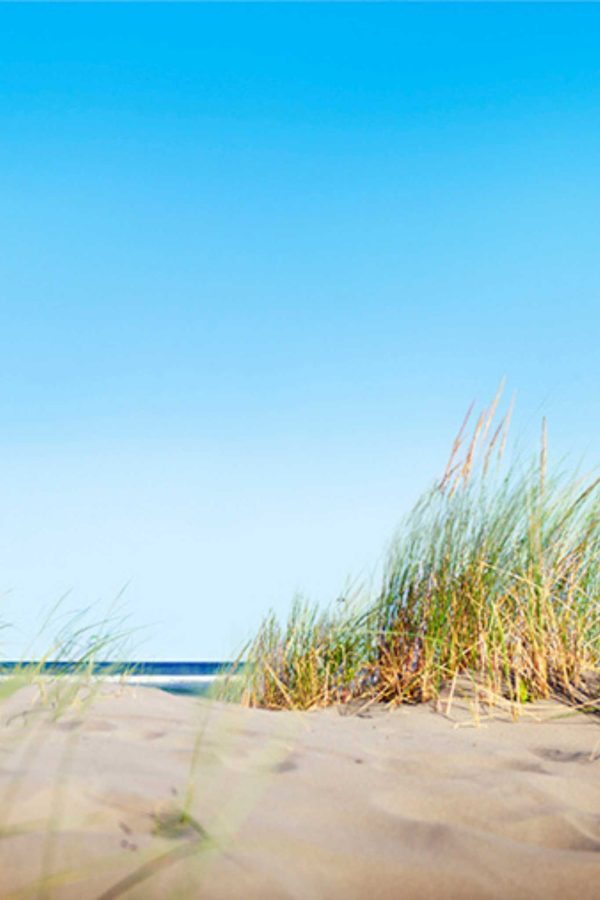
(255, 263)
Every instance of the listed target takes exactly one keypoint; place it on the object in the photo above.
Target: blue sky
(256, 262)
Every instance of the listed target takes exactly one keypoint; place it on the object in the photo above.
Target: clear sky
(255, 262)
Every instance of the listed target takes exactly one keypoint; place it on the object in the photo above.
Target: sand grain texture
(388, 804)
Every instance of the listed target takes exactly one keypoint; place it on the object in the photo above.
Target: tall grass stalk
(495, 574)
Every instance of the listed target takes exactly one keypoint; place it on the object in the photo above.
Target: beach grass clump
(495, 574)
(498, 577)
(313, 660)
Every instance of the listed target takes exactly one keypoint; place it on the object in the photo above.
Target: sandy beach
(384, 803)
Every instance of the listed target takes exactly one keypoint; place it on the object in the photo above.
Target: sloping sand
(388, 804)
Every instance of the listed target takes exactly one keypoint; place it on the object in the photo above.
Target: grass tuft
(495, 574)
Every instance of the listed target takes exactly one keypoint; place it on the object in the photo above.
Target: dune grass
(66, 674)
(495, 574)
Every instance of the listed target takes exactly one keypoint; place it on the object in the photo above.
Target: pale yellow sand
(397, 804)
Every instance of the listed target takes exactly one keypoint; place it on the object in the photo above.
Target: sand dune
(386, 804)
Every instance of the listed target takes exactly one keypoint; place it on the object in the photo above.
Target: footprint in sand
(567, 756)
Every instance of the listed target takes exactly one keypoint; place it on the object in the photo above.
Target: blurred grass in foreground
(66, 674)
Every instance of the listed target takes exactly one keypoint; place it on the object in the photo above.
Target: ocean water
(176, 677)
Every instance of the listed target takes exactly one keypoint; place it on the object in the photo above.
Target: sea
(176, 677)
